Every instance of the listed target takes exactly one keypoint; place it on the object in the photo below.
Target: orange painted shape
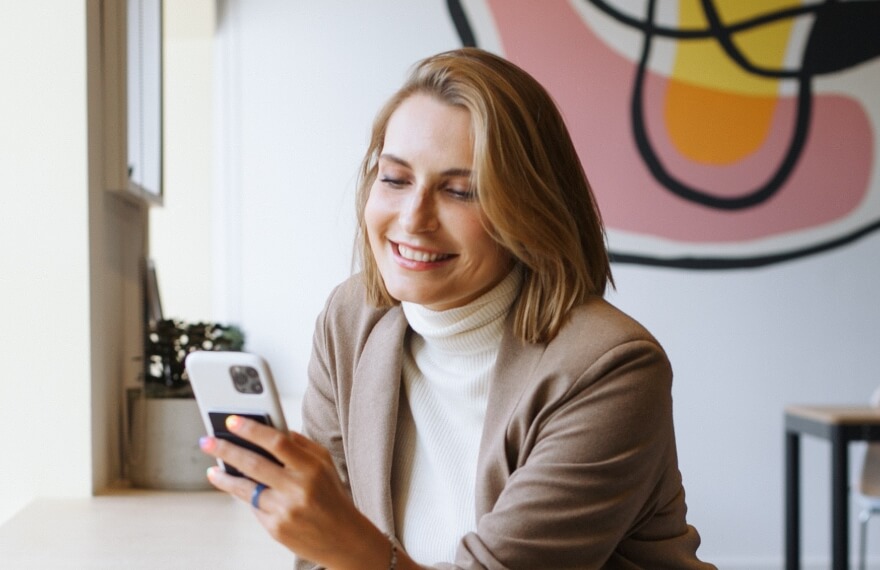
(716, 127)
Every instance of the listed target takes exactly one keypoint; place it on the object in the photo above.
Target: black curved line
(462, 26)
(640, 25)
(682, 190)
(722, 263)
(718, 31)
(723, 35)
(702, 33)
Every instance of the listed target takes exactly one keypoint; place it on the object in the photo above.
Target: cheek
(472, 233)
(376, 219)
(492, 255)
(371, 214)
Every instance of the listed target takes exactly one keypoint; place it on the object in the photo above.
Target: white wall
(44, 259)
(298, 84)
(181, 230)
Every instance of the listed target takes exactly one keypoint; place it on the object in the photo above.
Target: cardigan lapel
(375, 397)
(514, 372)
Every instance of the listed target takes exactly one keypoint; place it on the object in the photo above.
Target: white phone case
(238, 383)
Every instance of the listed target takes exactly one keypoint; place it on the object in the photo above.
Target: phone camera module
(246, 379)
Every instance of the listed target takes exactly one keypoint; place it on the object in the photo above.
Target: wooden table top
(836, 415)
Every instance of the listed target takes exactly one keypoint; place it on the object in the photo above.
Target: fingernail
(211, 471)
(206, 443)
(233, 422)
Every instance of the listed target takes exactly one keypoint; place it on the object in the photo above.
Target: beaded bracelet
(393, 564)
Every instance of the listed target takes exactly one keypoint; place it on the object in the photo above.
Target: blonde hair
(529, 182)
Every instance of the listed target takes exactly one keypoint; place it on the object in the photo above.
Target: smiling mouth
(421, 256)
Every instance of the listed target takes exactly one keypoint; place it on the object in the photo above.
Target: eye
(466, 195)
(393, 182)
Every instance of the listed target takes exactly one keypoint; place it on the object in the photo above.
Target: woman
(473, 401)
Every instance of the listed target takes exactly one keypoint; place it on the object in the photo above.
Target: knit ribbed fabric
(447, 364)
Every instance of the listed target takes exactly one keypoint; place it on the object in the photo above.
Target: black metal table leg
(792, 500)
(839, 501)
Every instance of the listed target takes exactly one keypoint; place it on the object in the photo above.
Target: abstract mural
(715, 133)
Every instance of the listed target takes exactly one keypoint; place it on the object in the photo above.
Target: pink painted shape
(592, 85)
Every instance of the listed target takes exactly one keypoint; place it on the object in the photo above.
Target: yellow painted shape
(716, 112)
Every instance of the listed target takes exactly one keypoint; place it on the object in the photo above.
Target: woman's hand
(305, 505)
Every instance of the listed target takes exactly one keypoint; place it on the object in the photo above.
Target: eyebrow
(463, 172)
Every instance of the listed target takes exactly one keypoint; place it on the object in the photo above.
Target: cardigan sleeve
(594, 481)
(321, 419)
(341, 332)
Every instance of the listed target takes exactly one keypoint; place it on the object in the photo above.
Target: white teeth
(422, 256)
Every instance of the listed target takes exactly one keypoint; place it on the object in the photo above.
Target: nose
(418, 213)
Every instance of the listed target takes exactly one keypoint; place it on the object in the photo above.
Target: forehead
(423, 127)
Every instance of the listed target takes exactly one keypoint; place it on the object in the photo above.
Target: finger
(251, 464)
(259, 496)
(289, 448)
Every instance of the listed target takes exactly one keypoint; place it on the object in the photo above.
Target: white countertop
(139, 529)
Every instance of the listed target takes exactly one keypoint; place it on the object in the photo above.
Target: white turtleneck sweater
(447, 364)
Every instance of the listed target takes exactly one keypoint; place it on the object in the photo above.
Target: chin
(407, 295)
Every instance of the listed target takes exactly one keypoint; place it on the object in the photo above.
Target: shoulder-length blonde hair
(529, 183)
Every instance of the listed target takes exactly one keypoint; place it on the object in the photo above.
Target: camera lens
(246, 379)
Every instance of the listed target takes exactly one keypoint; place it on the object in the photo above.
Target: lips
(420, 256)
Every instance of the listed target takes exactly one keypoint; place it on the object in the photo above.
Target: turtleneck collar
(467, 328)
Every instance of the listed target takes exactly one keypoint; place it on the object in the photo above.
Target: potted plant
(165, 422)
(168, 343)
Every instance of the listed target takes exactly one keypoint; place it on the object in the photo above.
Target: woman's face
(423, 221)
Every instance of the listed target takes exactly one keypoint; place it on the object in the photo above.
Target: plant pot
(164, 450)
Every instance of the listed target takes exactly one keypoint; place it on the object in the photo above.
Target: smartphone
(234, 383)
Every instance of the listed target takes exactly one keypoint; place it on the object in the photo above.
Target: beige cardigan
(577, 465)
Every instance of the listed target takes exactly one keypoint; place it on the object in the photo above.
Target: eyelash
(393, 182)
(464, 195)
